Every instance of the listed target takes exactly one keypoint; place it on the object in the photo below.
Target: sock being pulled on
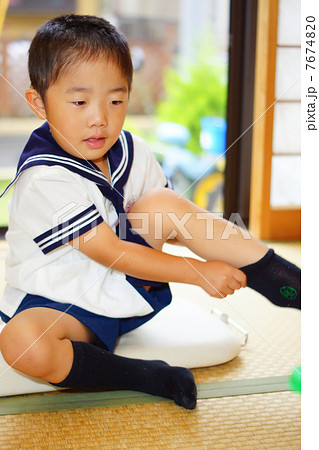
(275, 278)
(97, 368)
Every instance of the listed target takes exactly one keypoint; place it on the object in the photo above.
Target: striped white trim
(58, 242)
(66, 231)
(62, 159)
(123, 164)
(71, 229)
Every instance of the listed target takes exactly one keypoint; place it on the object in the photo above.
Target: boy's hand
(219, 279)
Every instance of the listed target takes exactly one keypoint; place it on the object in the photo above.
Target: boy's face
(86, 108)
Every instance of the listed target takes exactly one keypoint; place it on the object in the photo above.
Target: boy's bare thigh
(49, 322)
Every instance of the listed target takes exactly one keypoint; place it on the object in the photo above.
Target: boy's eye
(116, 102)
(79, 103)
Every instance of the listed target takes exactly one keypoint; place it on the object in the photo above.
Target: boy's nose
(98, 118)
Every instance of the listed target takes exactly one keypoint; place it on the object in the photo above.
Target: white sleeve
(146, 170)
(53, 206)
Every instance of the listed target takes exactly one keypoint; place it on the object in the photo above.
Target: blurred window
(37, 7)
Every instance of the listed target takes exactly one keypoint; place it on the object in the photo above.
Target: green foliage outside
(198, 90)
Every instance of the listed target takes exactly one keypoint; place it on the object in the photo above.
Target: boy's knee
(154, 200)
(156, 193)
(163, 193)
(23, 349)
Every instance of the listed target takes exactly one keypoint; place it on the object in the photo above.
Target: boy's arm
(217, 278)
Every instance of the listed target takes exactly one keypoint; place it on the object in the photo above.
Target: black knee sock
(275, 278)
(96, 368)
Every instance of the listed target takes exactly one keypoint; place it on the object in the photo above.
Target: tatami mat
(269, 420)
(245, 422)
(273, 346)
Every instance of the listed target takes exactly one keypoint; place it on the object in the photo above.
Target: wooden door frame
(267, 222)
(251, 98)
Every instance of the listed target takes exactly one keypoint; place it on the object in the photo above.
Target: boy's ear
(35, 103)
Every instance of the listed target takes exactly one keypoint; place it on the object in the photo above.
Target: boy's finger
(234, 284)
(241, 278)
(221, 293)
(227, 291)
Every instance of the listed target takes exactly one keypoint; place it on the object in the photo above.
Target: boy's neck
(103, 165)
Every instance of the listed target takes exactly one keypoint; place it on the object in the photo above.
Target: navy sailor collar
(42, 149)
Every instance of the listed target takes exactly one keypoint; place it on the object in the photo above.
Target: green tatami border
(61, 400)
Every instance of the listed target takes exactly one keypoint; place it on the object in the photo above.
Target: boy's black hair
(70, 39)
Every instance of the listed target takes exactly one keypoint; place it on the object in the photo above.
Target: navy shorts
(107, 329)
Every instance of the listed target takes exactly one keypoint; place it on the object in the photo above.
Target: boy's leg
(160, 212)
(57, 348)
(37, 342)
(216, 239)
(96, 368)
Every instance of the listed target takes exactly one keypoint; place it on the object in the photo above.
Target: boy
(78, 275)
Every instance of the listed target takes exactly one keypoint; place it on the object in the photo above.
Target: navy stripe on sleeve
(68, 230)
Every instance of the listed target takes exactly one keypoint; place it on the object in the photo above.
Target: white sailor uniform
(58, 197)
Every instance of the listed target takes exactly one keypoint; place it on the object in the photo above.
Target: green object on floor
(295, 380)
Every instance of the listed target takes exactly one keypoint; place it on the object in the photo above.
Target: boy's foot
(275, 278)
(179, 385)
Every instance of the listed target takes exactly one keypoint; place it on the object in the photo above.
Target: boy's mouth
(95, 142)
